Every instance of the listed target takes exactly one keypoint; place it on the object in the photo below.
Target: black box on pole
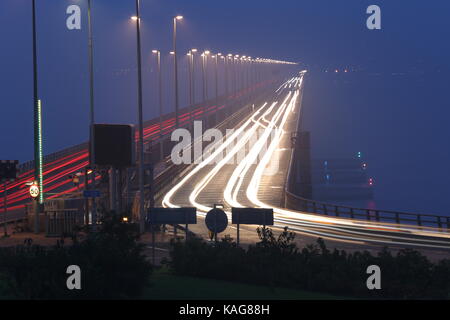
(114, 145)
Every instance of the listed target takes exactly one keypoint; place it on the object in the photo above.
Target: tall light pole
(91, 112)
(193, 52)
(175, 19)
(158, 60)
(205, 84)
(216, 74)
(191, 57)
(137, 19)
(235, 75)
(226, 75)
(38, 155)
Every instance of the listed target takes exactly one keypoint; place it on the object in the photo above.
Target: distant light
(188, 54)
(371, 182)
(364, 166)
(207, 52)
(155, 51)
(179, 17)
(194, 50)
(134, 18)
(125, 219)
(171, 52)
(359, 154)
(336, 71)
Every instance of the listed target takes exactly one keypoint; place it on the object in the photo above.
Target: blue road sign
(258, 216)
(216, 220)
(172, 216)
(91, 194)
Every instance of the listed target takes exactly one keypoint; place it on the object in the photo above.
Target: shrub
(277, 261)
(111, 261)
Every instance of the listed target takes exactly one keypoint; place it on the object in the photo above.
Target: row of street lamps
(137, 19)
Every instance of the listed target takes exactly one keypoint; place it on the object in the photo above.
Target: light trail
(338, 229)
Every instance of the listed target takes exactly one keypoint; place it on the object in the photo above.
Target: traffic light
(9, 170)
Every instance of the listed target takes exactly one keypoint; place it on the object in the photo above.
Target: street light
(217, 86)
(158, 59)
(92, 114)
(191, 57)
(137, 19)
(175, 19)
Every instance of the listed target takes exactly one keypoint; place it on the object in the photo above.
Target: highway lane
(246, 182)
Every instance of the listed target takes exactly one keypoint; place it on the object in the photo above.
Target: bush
(111, 261)
(277, 261)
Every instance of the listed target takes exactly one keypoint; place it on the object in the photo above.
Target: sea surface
(400, 124)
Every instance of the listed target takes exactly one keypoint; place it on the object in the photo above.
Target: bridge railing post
(377, 215)
(336, 210)
(419, 220)
(368, 214)
(325, 210)
(352, 214)
(397, 217)
(439, 222)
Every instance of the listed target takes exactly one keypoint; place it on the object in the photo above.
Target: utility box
(114, 145)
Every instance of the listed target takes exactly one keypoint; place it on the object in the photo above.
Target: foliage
(111, 261)
(278, 262)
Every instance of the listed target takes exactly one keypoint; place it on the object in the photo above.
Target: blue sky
(319, 33)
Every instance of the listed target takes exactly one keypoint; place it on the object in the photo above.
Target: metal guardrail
(397, 217)
(296, 202)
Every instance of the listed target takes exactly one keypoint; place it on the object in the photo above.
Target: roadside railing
(296, 202)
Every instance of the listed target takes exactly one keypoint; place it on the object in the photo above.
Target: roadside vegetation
(278, 262)
(113, 266)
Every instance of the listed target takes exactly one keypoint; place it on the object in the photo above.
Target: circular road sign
(216, 220)
(34, 191)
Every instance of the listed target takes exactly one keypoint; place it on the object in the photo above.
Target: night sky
(321, 34)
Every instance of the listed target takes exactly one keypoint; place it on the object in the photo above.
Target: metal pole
(204, 87)
(140, 118)
(190, 77)
(37, 126)
(177, 124)
(226, 76)
(217, 91)
(193, 87)
(91, 82)
(92, 114)
(203, 78)
(161, 145)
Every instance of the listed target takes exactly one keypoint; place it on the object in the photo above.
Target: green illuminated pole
(37, 127)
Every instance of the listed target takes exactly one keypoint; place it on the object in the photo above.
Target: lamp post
(193, 52)
(137, 19)
(175, 19)
(205, 83)
(216, 74)
(158, 60)
(91, 113)
(235, 75)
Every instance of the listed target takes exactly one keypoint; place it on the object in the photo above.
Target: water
(398, 121)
